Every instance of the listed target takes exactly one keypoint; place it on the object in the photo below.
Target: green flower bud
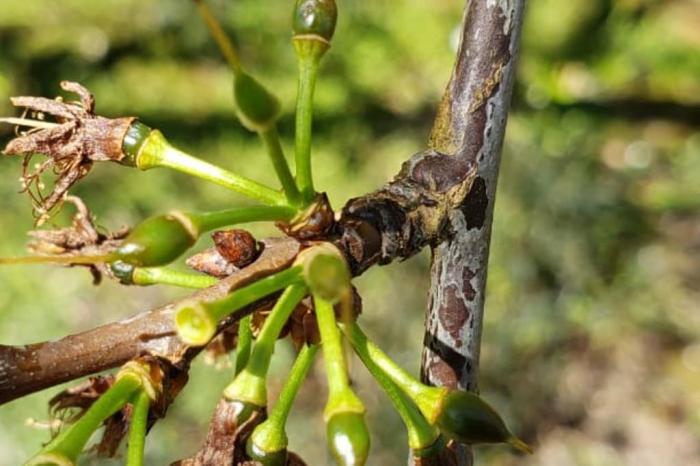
(256, 107)
(157, 240)
(468, 419)
(266, 458)
(315, 17)
(348, 438)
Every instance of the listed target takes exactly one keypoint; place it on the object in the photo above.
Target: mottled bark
(470, 126)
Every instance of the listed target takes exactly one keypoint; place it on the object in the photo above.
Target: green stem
(207, 221)
(156, 151)
(145, 276)
(71, 442)
(270, 436)
(270, 138)
(249, 384)
(341, 398)
(217, 32)
(308, 70)
(244, 343)
(428, 399)
(137, 428)
(333, 355)
(297, 374)
(421, 434)
(196, 321)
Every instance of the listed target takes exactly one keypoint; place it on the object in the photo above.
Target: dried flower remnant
(80, 397)
(69, 244)
(76, 140)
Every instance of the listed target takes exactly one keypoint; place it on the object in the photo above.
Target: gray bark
(470, 125)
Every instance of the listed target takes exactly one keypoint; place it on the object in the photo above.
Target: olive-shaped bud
(467, 418)
(157, 241)
(256, 107)
(348, 438)
(266, 458)
(315, 17)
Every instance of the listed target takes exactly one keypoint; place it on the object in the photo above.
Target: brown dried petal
(80, 396)
(116, 427)
(80, 139)
(314, 223)
(80, 239)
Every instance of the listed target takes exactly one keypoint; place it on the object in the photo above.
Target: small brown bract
(237, 246)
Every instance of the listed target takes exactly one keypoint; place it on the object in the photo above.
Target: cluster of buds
(313, 296)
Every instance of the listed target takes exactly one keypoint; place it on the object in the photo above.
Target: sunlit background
(591, 347)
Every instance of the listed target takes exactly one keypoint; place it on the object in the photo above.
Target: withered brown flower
(76, 140)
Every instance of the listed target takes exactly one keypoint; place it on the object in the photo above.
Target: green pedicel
(268, 442)
(346, 429)
(196, 321)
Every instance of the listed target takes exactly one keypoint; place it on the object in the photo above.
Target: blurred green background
(592, 340)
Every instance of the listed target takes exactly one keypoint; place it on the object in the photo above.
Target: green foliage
(592, 336)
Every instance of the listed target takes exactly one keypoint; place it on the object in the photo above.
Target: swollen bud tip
(256, 107)
(315, 17)
(266, 458)
(157, 241)
(348, 438)
(468, 419)
(123, 272)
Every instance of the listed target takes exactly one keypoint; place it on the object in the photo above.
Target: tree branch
(443, 197)
(27, 369)
(470, 125)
